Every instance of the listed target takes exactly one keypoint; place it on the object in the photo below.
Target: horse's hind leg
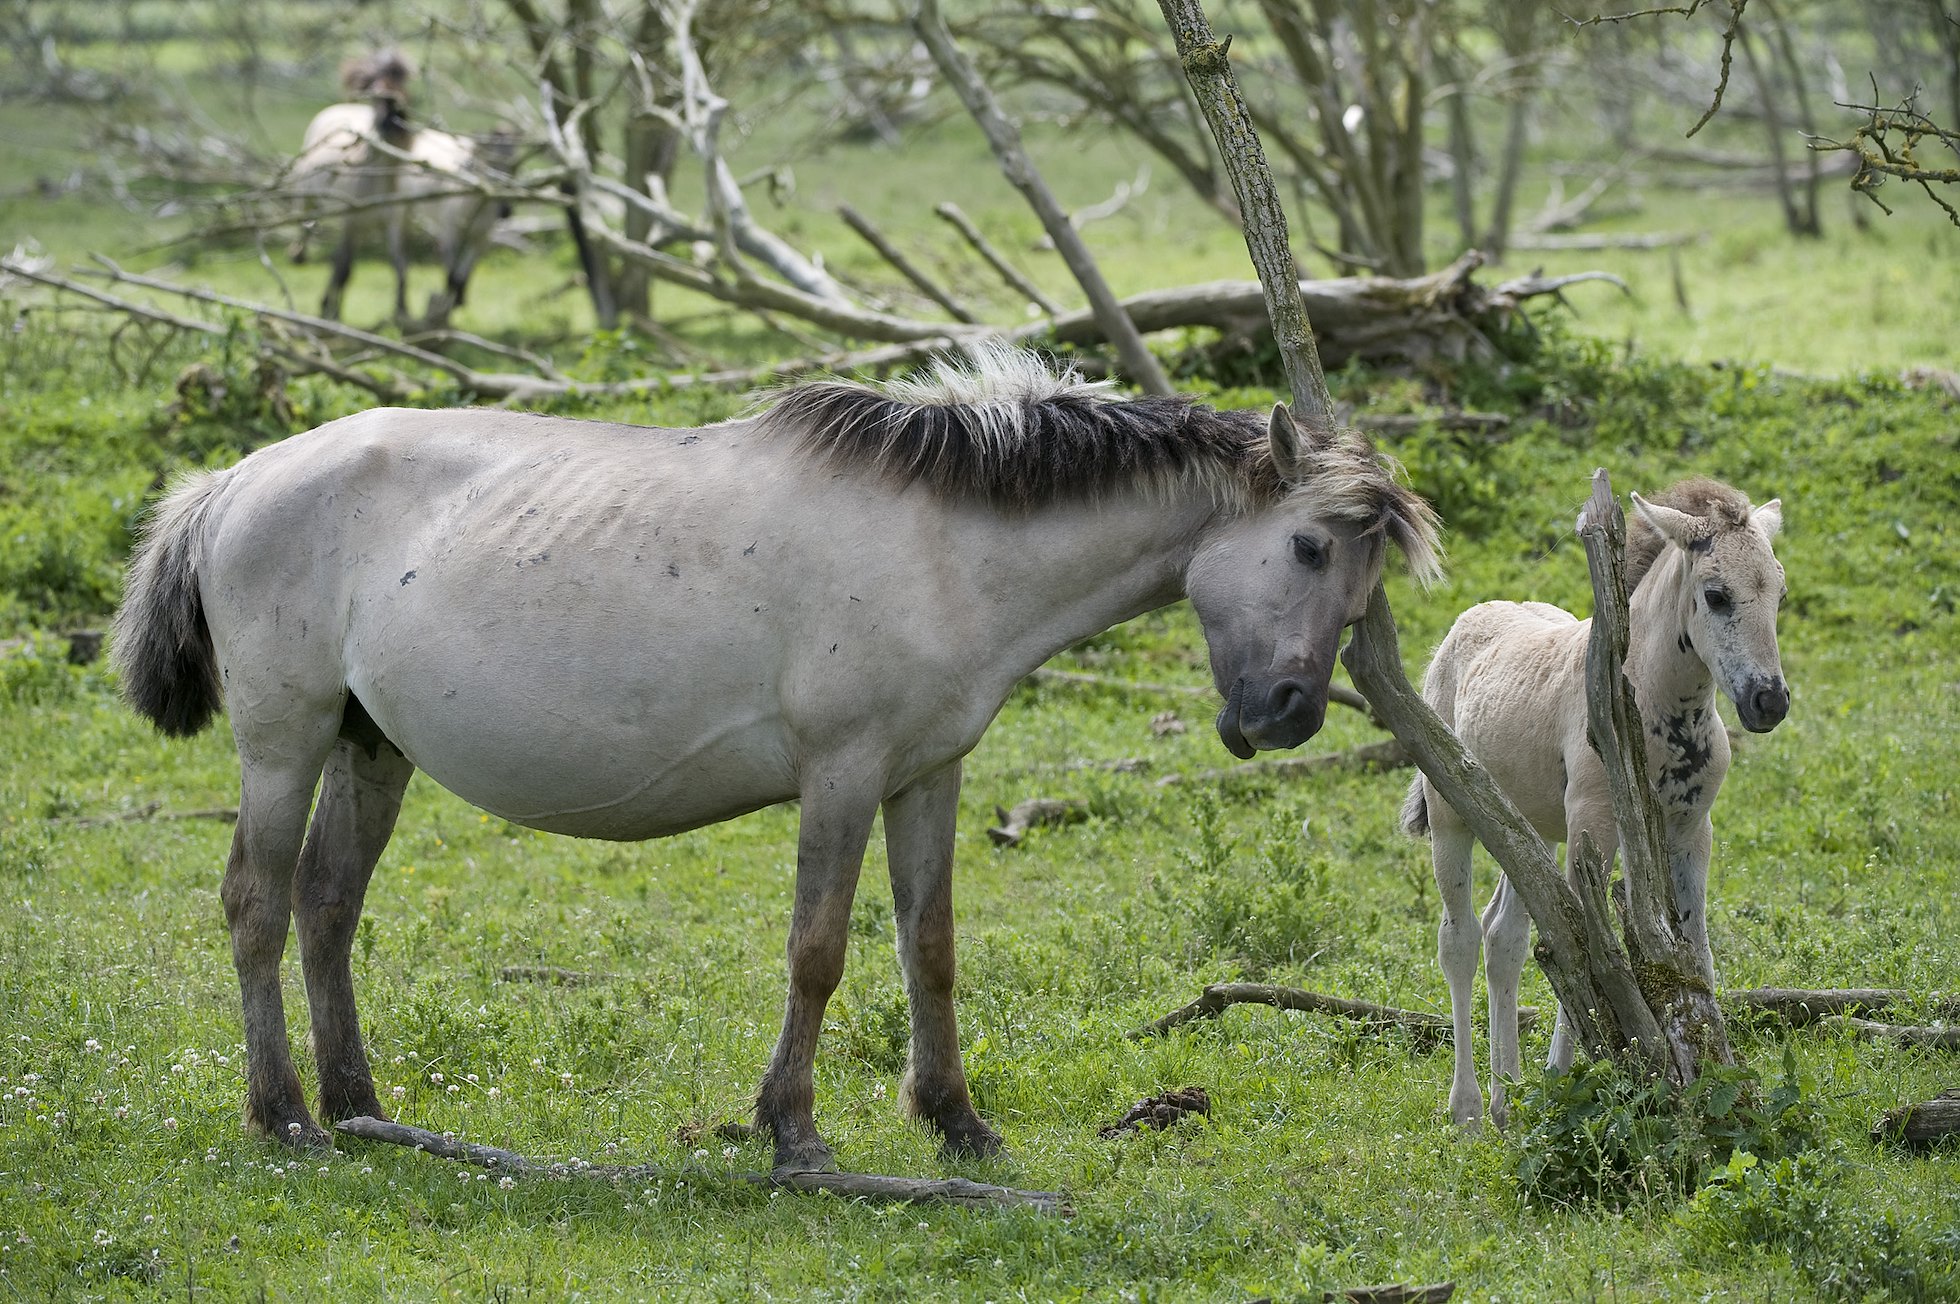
(829, 852)
(276, 792)
(1459, 942)
(359, 799)
(919, 841)
(343, 267)
(1507, 937)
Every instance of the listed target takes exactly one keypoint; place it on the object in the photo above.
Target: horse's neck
(1663, 665)
(1087, 567)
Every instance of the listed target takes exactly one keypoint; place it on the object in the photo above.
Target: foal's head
(1275, 585)
(1733, 585)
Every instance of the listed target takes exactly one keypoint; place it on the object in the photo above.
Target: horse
(1509, 678)
(370, 161)
(621, 632)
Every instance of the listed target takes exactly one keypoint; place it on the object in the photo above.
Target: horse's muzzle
(1764, 705)
(1281, 713)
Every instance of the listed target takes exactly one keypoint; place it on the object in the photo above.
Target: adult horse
(1510, 678)
(620, 632)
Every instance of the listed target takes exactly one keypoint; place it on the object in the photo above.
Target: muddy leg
(829, 853)
(343, 267)
(257, 895)
(919, 846)
(359, 799)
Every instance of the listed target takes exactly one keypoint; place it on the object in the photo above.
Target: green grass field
(1328, 1160)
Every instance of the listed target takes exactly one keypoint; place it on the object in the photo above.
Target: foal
(1510, 680)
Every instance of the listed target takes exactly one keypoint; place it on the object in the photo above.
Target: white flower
(122, 1111)
(565, 1078)
(452, 1088)
(494, 1092)
(102, 1236)
(728, 1152)
(91, 1045)
(292, 1129)
(505, 1183)
(435, 1077)
(700, 1154)
(366, 1169)
(170, 1125)
(398, 1092)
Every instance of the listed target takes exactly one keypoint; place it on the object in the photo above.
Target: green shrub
(1596, 1133)
(1799, 1204)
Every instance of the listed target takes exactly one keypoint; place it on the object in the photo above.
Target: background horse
(422, 172)
(1510, 678)
(618, 632)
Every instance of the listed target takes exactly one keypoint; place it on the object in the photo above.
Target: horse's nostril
(1773, 699)
(1287, 697)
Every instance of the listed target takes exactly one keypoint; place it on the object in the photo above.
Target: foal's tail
(161, 644)
(1415, 809)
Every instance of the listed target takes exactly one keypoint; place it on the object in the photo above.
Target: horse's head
(1274, 586)
(1733, 587)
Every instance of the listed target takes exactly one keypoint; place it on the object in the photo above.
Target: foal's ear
(1768, 518)
(1289, 445)
(1677, 528)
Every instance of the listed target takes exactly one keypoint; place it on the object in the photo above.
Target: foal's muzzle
(1763, 704)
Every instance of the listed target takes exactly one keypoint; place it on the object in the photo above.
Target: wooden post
(1670, 969)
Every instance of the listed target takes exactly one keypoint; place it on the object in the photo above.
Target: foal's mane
(1006, 429)
(1720, 507)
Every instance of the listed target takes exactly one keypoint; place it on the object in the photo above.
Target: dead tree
(1664, 1020)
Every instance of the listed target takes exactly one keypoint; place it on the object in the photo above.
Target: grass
(1328, 1160)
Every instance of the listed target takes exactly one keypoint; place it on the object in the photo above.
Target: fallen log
(1396, 1293)
(152, 810)
(1048, 674)
(875, 1188)
(1035, 811)
(1800, 1007)
(1926, 1038)
(1428, 1029)
(1922, 1125)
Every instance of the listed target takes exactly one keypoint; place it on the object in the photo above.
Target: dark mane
(1719, 506)
(1027, 451)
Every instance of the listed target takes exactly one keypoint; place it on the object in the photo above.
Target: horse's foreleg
(258, 901)
(1507, 939)
(398, 255)
(1459, 941)
(919, 844)
(829, 852)
(343, 267)
(1687, 853)
(359, 799)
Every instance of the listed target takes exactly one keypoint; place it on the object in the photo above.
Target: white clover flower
(102, 1236)
(292, 1129)
(435, 1077)
(122, 1111)
(170, 1125)
(494, 1092)
(91, 1045)
(398, 1092)
(506, 1183)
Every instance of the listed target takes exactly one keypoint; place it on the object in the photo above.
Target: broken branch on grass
(1937, 1037)
(905, 267)
(551, 975)
(149, 811)
(1394, 1293)
(1922, 1125)
(1013, 275)
(1005, 139)
(1033, 813)
(1800, 1007)
(1428, 1029)
(957, 1192)
(1048, 674)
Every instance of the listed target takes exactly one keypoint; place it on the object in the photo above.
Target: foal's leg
(1507, 938)
(829, 852)
(919, 844)
(398, 255)
(1688, 850)
(359, 799)
(258, 896)
(1458, 942)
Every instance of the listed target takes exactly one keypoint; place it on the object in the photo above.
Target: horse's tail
(1415, 809)
(161, 644)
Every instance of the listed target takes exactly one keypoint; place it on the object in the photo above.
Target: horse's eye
(1309, 552)
(1717, 600)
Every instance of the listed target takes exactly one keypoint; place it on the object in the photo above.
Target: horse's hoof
(807, 1157)
(972, 1139)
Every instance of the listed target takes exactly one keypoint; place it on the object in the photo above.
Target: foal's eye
(1717, 600)
(1309, 552)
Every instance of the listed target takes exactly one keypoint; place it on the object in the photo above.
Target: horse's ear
(1289, 446)
(1677, 528)
(1768, 518)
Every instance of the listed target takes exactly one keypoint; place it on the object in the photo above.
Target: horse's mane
(1720, 507)
(1007, 429)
